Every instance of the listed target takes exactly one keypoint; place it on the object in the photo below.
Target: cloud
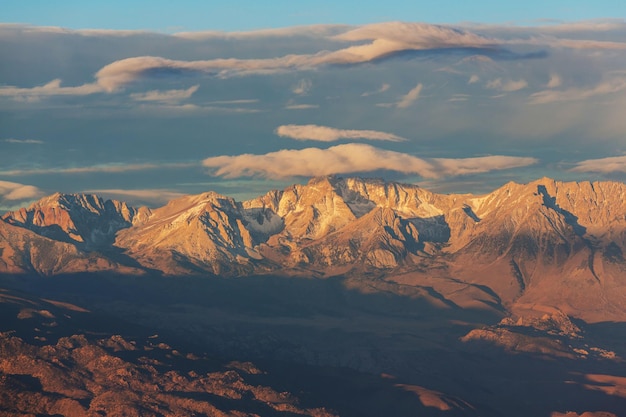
(14, 196)
(573, 94)
(237, 101)
(351, 158)
(53, 88)
(459, 97)
(301, 106)
(465, 166)
(149, 197)
(508, 86)
(382, 89)
(370, 43)
(108, 168)
(416, 35)
(602, 165)
(23, 141)
(555, 81)
(312, 31)
(302, 87)
(168, 96)
(410, 97)
(579, 44)
(13, 191)
(386, 39)
(473, 79)
(330, 134)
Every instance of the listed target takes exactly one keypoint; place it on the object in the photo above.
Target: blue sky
(457, 97)
(165, 15)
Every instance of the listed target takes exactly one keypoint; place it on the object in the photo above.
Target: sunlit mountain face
(302, 300)
(351, 216)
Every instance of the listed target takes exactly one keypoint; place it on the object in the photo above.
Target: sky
(147, 101)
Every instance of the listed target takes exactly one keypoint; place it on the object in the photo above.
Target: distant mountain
(543, 243)
(85, 220)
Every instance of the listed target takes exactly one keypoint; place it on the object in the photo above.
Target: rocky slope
(85, 220)
(203, 233)
(25, 252)
(60, 359)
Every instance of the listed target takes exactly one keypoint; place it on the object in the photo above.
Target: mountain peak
(84, 219)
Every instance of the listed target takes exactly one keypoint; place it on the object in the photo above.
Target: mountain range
(361, 297)
(545, 243)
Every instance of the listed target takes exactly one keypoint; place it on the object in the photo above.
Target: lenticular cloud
(352, 158)
(329, 134)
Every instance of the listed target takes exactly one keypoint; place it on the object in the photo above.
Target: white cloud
(464, 166)
(575, 44)
(53, 88)
(508, 86)
(237, 101)
(24, 141)
(301, 106)
(302, 87)
(108, 168)
(382, 89)
(459, 97)
(410, 97)
(13, 191)
(313, 31)
(607, 87)
(416, 35)
(351, 158)
(473, 79)
(386, 39)
(168, 96)
(330, 134)
(602, 165)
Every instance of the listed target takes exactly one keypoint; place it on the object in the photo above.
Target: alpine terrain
(344, 296)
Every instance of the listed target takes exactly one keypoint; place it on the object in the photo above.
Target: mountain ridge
(548, 242)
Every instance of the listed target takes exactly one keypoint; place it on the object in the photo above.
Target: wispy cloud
(410, 97)
(14, 191)
(607, 87)
(473, 79)
(382, 89)
(465, 166)
(406, 100)
(507, 86)
(555, 81)
(572, 43)
(352, 158)
(602, 165)
(168, 96)
(459, 97)
(23, 141)
(330, 134)
(386, 39)
(302, 106)
(302, 87)
(107, 168)
(314, 31)
(237, 101)
(53, 88)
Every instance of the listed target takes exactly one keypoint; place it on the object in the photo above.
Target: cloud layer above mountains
(353, 158)
(441, 102)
